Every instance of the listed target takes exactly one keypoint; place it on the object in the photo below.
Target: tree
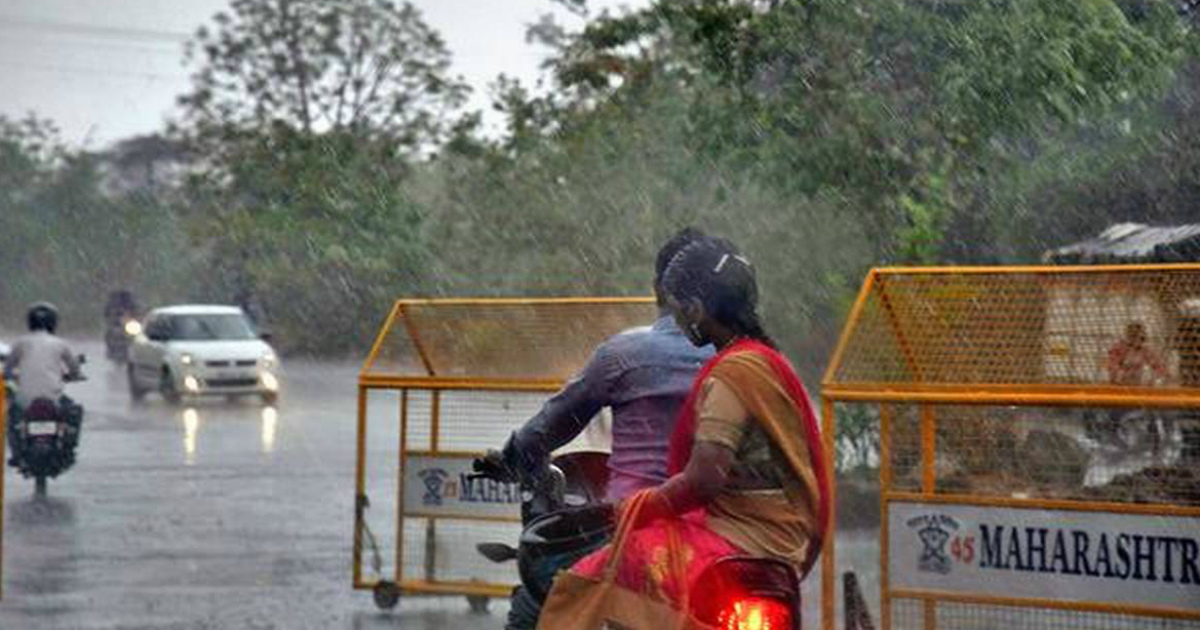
(364, 67)
(67, 236)
(318, 227)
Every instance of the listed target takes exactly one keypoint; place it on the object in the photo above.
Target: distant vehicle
(120, 325)
(189, 351)
(43, 437)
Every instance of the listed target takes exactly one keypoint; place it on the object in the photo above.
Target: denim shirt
(643, 375)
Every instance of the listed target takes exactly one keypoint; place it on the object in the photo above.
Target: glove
(493, 466)
(523, 463)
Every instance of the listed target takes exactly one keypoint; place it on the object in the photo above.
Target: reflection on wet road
(219, 514)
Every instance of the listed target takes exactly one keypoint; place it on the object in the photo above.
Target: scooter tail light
(755, 613)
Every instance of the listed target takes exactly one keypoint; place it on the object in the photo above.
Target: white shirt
(39, 362)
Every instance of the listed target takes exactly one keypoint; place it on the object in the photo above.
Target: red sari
(645, 562)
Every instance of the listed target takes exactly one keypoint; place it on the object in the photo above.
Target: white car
(190, 351)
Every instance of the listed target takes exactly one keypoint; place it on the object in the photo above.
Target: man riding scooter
(120, 324)
(39, 365)
(643, 376)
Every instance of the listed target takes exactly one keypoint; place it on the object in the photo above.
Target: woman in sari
(748, 476)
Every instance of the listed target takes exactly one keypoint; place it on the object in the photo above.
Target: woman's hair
(712, 271)
(667, 252)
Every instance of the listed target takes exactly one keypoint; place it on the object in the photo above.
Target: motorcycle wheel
(39, 486)
(386, 595)
(479, 604)
(166, 387)
(136, 392)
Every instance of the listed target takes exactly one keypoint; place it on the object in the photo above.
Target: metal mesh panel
(510, 339)
(909, 614)
(453, 553)
(420, 420)
(906, 465)
(1003, 327)
(1117, 455)
(477, 421)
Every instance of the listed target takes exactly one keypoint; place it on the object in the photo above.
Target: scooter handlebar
(492, 466)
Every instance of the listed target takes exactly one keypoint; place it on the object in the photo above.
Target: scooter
(43, 437)
(564, 520)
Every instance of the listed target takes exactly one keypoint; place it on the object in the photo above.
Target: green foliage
(318, 228)
(65, 238)
(822, 136)
(363, 66)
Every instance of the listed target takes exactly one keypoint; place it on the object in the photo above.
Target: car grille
(239, 363)
(232, 382)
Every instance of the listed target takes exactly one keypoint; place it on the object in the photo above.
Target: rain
(317, 255)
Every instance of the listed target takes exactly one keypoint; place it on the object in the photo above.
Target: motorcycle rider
(120, 308)
(642, 375)
(121, 304)
(40, 364)
(748, 473)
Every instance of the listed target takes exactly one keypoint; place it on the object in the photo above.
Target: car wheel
(136, 392)
(166, 387)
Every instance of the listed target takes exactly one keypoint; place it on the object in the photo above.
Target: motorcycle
(563, 520)
(118, 336)
(43, 436)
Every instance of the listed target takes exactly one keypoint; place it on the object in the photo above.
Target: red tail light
(755, 613)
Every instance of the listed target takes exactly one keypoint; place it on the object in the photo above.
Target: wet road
(222, 515)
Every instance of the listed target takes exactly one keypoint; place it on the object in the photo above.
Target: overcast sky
(107, 69)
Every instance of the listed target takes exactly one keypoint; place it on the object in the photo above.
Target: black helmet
(43, 316)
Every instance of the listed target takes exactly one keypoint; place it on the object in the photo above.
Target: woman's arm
(723, 420)
(706, 474)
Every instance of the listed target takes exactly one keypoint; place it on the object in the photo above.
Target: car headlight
(133, 328)
(185, 358)
(268, 359)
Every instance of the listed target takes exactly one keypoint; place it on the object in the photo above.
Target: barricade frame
(436, 385)
(887, 396)
(3, 467)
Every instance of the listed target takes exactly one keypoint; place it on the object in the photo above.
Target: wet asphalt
(222, 514)
(217, 515)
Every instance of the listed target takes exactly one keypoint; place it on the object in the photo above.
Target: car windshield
(210, 327)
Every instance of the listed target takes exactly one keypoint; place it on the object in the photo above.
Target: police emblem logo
(434, 479)
(934, 531)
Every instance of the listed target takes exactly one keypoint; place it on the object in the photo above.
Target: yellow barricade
(3, 466)
(1038, 444)
(445, 380)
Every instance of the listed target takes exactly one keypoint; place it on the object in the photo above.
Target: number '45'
(963, 548)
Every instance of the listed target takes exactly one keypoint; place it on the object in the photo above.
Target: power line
(110, 44)
(91, 30)
(100, 73)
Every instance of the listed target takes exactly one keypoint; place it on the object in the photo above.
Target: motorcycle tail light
(754, 613)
